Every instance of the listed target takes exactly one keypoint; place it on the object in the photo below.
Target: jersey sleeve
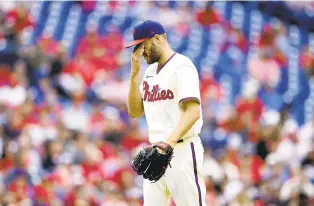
(186, 83)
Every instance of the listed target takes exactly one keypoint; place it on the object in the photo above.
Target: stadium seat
(220, 7)
(237, 15)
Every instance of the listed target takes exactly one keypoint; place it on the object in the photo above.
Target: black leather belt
(179, 141)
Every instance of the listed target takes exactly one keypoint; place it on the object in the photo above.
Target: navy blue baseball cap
(145, 30)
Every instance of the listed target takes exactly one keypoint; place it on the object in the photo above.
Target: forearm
(187, 120)
(135, 104)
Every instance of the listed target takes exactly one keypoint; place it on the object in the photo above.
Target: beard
(154, 56)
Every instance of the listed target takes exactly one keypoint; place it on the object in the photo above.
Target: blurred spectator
(33, 57)
(209, 87)
(279, 57)
(14, 125)
(19, 19)
(268, 136)
(7, 159)
(88, 6)
(19, 169)
(80, 195)
(306, 134)
(77, 74)
(19, 189)
(75, 117)
(289, 149)
(235, 38)
(96, 126)
(114, 197)
(273, 40)
(4, 74)
(13, 94)
(249, 109)
(133, 139)
(57, 63)
(208, 16)
(113, 40)
(48, 45)
(264, 68)
(307, 61)
(108, 89)
(100, 51)
(267, 38)
(89, 41)
(52, 158)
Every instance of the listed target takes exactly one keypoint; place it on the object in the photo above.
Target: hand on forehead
(137, 46)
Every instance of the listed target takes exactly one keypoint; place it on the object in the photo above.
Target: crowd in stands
(66, 137)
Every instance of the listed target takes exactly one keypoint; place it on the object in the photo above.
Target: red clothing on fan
(129, 142)
(88, 42)
(207, 18)
(4, 75)
(117, 177)
(48, 45)
(256, 165)
(88, 6)
(233, 158)
(107, 62)
(243, 43)
(253, 111)
(20, 189)
(96, 124)
(20, 19)
(83, 67)
(307, 60)
(210, 86)
(71, 198)
(43, 194)
(267, 38)
(92, 172)
(280, 58)
(254, 107)
(107, 150)
(5, 165)
(114, 42)
(114, 5)
(235, 38)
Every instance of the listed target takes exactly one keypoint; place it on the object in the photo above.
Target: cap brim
(133, 43)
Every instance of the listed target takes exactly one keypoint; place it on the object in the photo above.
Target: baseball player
(169, 96)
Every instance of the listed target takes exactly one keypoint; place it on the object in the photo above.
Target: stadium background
(66, 138)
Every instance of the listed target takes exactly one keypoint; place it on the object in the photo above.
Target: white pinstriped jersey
(163, 90)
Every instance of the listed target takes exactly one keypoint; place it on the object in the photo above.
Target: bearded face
(152, 51)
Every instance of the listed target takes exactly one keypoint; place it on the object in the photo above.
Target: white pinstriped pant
(183, 181)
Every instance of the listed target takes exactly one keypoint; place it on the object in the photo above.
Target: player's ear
(157, 39)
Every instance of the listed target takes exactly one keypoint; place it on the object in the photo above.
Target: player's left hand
(163, 147)
(165, 144)
(151, 163)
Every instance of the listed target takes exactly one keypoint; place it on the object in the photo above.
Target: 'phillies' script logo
(155, 94)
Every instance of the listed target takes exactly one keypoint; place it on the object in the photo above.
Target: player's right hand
(136, 60)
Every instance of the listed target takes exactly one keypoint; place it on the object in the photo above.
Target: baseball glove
(152, 164)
